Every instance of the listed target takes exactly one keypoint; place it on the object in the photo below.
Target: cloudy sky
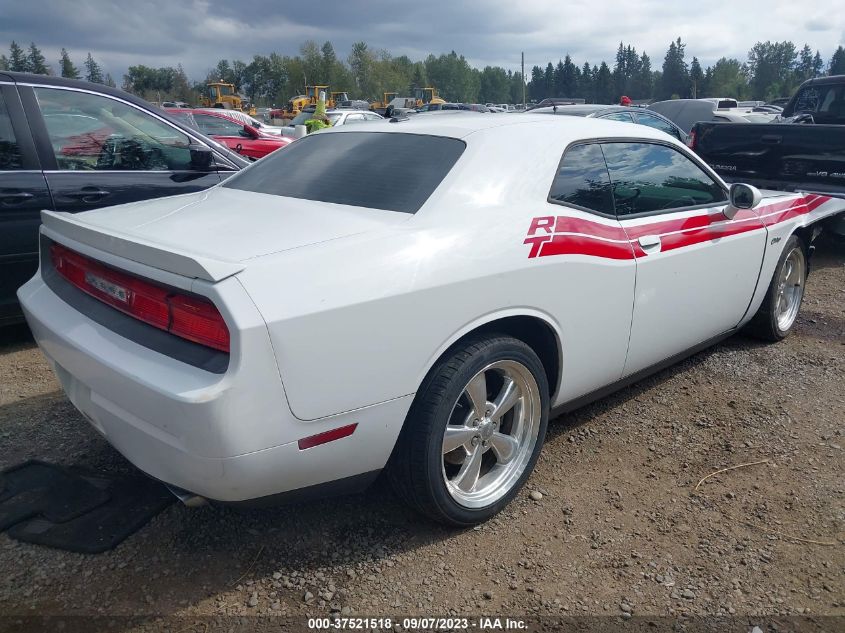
(196, 33)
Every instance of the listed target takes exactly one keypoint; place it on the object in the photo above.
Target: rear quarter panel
(362, 319)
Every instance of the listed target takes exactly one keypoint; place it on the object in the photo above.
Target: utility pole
(523, 80)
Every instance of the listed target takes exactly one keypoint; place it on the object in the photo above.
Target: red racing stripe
(585, 245)
(577, 236)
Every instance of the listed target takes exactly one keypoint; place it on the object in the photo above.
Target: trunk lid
(212, 234)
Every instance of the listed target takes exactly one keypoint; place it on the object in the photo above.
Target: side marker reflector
(327, 436)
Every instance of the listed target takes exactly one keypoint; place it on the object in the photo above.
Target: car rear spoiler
(136, 249)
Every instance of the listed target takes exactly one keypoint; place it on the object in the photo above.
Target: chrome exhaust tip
(188, 499)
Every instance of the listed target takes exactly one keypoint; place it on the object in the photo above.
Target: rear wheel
(779, 310)
(474, 432)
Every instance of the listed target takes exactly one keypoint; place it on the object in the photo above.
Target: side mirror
(201, 156)
(251, 132)
(742, 196)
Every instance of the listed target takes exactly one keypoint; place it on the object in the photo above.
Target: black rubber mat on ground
(74, 509)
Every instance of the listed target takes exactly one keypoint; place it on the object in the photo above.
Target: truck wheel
(777, 313)
(474, 431)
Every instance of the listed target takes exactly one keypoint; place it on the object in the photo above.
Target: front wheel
(474, 432)
(779, 310)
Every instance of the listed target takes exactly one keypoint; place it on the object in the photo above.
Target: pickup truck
(804, 150)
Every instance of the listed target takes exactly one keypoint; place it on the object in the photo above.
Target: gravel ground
(609, 525)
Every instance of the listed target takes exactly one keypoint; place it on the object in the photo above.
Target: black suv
(73, 146)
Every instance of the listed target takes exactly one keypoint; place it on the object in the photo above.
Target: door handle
(650, 243)
(88, 194)
(771, 139)
(18, 197)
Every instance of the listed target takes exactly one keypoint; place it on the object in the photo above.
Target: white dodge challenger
(413, 297)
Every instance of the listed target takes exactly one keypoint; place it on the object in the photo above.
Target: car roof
(533, 127)
(49, 80)
(829, 79)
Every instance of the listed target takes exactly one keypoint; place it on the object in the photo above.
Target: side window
(657, 123)
(10, 152)
(625, 117)
(582, 180)
(649, 178)
(89, 131)
(217, 126)
(354, 118)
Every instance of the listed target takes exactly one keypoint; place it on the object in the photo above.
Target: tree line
(32, 60)
(772, 69)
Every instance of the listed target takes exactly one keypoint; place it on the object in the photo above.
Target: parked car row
(227, 128)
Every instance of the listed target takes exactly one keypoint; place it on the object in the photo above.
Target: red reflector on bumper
(328, 436)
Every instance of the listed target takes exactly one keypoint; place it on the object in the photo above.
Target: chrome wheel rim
(790, 289)
(491, 434)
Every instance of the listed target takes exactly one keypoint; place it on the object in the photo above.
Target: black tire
(415, 469)
(764, 325)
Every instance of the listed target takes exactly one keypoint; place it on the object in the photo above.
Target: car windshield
(348, 168)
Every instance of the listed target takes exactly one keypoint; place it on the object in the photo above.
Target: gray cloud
(197, 33)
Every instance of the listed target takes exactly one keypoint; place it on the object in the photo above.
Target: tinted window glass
(90, 131)
(625, 117)
(648, 178)
(349, 169)
(657, 123)
(10, 153)
(582, 180)
(217, 126)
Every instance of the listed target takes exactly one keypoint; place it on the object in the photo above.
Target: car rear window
(378, 170)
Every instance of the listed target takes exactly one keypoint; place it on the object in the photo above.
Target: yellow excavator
(222, 95)
(428, 94)
(312, 94)
(379, 106)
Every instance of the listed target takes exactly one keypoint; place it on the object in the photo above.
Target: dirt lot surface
(619, 530)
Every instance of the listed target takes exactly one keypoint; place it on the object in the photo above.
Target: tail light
(691, 139)
(185, 316)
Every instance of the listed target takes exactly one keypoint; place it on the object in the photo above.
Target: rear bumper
(228, 437)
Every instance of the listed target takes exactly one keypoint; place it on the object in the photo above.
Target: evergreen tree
(17, 59)
(535, 86)
(804, 69)
(643, 80)
(818, 65)
(620, 72)
(329, 62)
(569, 78)
(93, 73)
(675, 76)
(837, 62)
(558, 79)
(549, 81)
(4, 62)
(66, 66)
(696, 76)
(585, 87)
(36, 62)
(604, 89)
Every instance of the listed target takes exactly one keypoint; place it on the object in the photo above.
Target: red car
(226, 129)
